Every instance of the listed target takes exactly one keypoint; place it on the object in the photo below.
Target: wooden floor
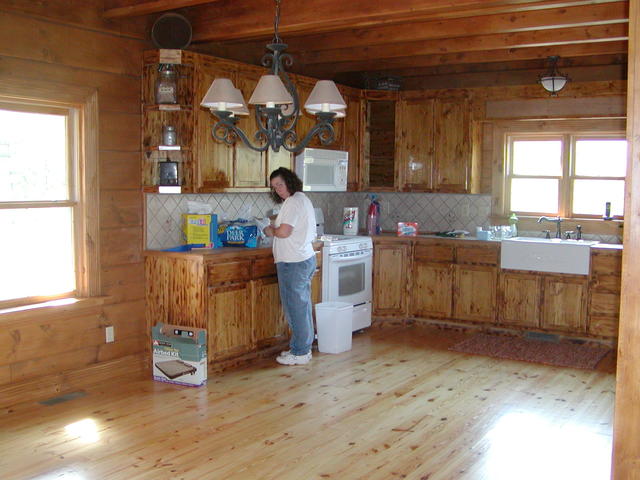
(399, 405)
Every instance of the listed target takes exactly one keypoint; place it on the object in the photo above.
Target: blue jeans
(294, 282)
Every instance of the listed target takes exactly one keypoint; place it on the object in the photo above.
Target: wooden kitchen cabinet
(604, 284)
(390, 278)
(475, 293)
(564, 303)
(431, 293)
(434, 150)
(232, 292)
(519, 295)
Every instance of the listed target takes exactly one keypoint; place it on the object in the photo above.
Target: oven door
(347, 278)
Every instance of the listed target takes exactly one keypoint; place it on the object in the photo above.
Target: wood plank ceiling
(427, 43)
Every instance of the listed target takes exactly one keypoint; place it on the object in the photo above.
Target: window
(49, 229)
(38, 201)
(572, 175)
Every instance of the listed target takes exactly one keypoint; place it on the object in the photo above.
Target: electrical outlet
(109, 334)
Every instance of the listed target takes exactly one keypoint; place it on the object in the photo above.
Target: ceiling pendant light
(277, 105)
(553, 81)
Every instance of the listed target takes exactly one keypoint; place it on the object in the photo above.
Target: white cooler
(334, 325)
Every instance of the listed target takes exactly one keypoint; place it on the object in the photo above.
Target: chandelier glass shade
(276, 105)
(553, 81)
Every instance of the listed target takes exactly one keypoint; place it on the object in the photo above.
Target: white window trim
(87, 232)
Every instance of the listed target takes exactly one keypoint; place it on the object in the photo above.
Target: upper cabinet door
(452, 145)
(213, 158)
(415, 144)
(249, 165)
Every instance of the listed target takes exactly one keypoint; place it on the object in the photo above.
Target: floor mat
(560, 354)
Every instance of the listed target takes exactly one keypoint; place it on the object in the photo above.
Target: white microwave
(322, 170)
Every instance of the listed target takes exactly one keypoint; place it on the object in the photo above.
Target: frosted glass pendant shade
(553, 83)
(222, 95)
(325, 97)
(270, 91)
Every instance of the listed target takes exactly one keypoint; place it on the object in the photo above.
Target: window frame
(82, 103)
(501, 129)
(568, 175)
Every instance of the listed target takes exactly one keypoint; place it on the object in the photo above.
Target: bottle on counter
(513, 224)
(373, 217)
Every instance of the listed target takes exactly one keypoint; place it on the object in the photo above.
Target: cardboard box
(179, 354)
(200, 230)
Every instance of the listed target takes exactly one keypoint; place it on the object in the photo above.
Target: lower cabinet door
(270, 325)
(432, 290)
(229, 321)
(564, 303)
(475, 293)
(519, 299)
(390, 280)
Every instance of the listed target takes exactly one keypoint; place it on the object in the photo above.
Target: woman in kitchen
(293, 232)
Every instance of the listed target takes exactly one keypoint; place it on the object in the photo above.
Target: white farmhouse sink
(546, 255)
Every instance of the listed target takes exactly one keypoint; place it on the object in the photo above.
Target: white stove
(347, 274)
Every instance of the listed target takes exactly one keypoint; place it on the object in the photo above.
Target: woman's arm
(283, 231)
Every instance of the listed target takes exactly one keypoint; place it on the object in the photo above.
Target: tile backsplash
(432, 211)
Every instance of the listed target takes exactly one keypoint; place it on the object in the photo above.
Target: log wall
(53, 350)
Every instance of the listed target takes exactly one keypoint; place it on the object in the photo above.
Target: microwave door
(319, 175)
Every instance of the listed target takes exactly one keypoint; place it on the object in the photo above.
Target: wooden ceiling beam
(483, 56)
(150, 7)
(536, 38)
(251, 19)
(586, 15)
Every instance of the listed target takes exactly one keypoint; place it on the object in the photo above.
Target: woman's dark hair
(291, 180)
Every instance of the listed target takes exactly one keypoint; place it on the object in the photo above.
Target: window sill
(39, 311)
(590, 226)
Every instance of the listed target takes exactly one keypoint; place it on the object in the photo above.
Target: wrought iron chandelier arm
(323, 130)
(230, 132)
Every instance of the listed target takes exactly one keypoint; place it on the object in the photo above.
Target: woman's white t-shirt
(297, 211)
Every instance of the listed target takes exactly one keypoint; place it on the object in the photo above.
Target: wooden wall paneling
(120, 207)
(34, 39)
(123, 283)
(120, 170)
(120, 246)
(84, 14)
(120, 132)
(120, 316)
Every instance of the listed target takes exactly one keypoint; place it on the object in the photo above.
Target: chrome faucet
(557, 220)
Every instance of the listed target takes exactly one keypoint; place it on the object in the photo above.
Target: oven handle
(333, 259)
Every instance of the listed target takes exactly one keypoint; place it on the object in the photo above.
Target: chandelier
(553, 81)
(277, 105)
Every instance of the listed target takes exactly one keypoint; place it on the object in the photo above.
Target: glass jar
(169, 136)
(166, 85)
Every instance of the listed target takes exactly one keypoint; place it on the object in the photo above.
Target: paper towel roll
(350, 221)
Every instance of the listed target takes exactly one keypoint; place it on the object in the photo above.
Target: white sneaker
(284, 353)
(290, 359)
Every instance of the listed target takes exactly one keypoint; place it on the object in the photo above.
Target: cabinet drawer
(434, 252)
(606, 264)
(264, 267)
(228, 272)
(480, 255)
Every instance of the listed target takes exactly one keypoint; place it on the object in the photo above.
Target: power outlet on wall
(109, 334)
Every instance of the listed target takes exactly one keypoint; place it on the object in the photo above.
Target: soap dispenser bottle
(513, 221)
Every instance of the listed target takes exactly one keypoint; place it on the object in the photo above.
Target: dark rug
(559, 354)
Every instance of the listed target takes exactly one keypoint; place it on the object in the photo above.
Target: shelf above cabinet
(167, 107)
